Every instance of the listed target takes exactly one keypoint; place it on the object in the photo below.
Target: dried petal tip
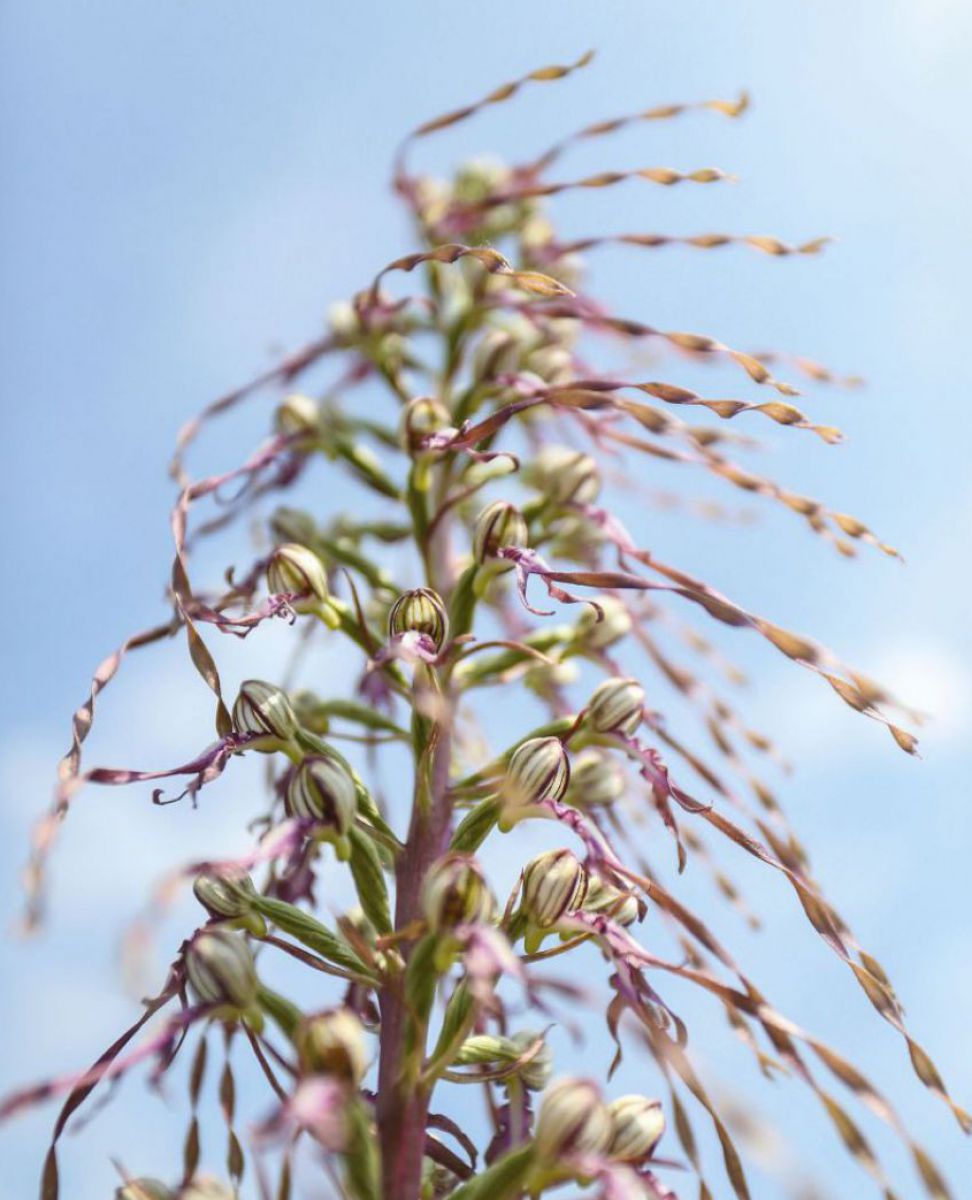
(617, 706)
(225, 894)
(263, 709)
(637, 1125)
(600, 630)
(419, 611)
(564, 476)
(499, 524)
(595, 780)
(539, 769)
(554, 885)
(573, 1120)
(322, 790)
(294, 570)
(332, 1043)
(220, 968)
(298, 416)
(455, 893)
(145, 1189)
(420, 417)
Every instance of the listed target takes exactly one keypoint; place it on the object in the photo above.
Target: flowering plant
(485, 459)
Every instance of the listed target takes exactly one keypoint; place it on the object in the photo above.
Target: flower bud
(320, 789)
(573, 1119)
(565, 476)
(298, 414)
(539, 769)
(617, 706)
(332, 1043)
(293, 525)
(595, 780)
(554, 885)
(499, 524)
(225, 894)
(297, 571)
(206, 1187)
(454, 892)
(534, 1075)
(419, 611)
(599, 633)
(498, 352)
(623, 907)
(144, 1189)
(219, 965)
(262, 708)
(421, 416)
(637, 1125)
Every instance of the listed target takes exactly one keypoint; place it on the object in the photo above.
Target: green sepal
(369, 881)
(284, 1014)
(361, 1162)
(463, 604)
(476, 826)
(504, 1180)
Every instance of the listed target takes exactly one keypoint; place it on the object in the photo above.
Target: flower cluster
(479, 448)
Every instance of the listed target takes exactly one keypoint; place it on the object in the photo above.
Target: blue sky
(188, 186)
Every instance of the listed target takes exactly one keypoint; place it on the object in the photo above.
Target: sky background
(188, 186)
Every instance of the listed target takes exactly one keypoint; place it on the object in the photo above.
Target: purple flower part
(278, 605)
(615, 1181)
(410, 647)
(318, 1107)
(600, 856)
(513, 1124)
(486, 956)
(281, 841)
(206, 767)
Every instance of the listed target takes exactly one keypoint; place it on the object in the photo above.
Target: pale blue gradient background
(188, 185)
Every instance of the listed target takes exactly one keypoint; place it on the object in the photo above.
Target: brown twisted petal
(490, 260)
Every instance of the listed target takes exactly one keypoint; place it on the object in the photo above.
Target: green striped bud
(617, 706)
(637, 1125)
(564, 476)
(145, 1189)
(332, 1043)
(539, 769)
(622, 907)
(297, 571)
(573, 1119)
(535, 1074)
(454, 892)
(421, 416)
(220, 969)
(595, 780)
(263, 709)
(554, 885)
(206, 1187)
(321, 789)
(499, 524)
(419, 611)
(298, 414)
(601, 633)
(225, 894)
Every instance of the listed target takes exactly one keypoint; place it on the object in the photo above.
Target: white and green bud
(637, 1125)
(455, 892)
(564, 476)
(419, 611)
(596, 780)
(298, 415)
(226, 895)
(293, 525)
(499, 524)
(498, 352)
(264, 709)
(421, 416)
(554, 885)
(332, 1043)
(573, 1119)
(145, 1189)
(535, 1074)
(617, 706)
(220, 969)
(624, 908)
(295, 570)
(596, 632)
(321, 789)
(539, 769)
(207, 1187)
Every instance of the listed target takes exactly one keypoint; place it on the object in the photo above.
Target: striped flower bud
(564, 476)
(498, 351)
(145, 1189)
(539, 769)
(298, 414)
(554, 885)
(332, 1043)
(419, 611)
(499, 524)
(225, 894)
(454, 892)
(421, 416)
(294, 570)
(220, 968)
(534, 1075)
(263, 709)
(573, 1119)
(623, 907)
(617, 706)
(321, 789)
(595, 780)
(599, 633)
(637, 1125)
(206, 1187)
